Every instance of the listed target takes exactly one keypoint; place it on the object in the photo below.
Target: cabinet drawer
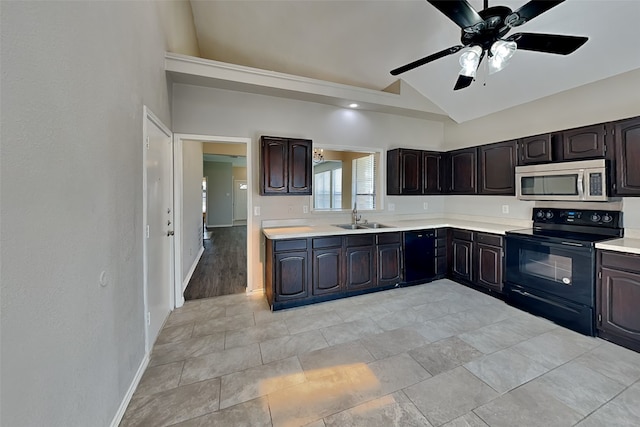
(387, 238)
(441, 252)
(327, 242)
(441, 233)
(621, 261)
(489, 239)
(290, 245)
(360, 240)
(463, 235)
(441, 242)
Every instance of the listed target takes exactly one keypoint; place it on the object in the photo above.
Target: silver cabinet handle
(170, 233)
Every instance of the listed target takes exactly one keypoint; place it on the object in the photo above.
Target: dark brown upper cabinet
(626, 145)
(496, 168)
(462, 171)
(535, 149)
(285, 166)
(414, 172)
(583, 143)
(404, 171)
(431, 172)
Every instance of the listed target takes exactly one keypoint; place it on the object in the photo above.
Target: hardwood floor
(222, 270)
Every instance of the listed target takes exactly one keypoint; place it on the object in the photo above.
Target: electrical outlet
(256, 210)
(505, 209)
(425, 206)
(305, 209)
(391, 206)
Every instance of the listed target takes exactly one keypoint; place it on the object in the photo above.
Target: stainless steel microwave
(584, 180)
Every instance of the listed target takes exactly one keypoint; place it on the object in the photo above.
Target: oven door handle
(532, 240)
(580, 184)
(546, 301)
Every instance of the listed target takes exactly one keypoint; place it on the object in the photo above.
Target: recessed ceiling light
(353, 105)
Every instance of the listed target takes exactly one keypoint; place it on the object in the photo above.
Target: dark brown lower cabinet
(360, 268)
(462, 255)
(441, 254)
(618, 298)
(291, 275)
(489, 255)
(327, 271)
(389, 259)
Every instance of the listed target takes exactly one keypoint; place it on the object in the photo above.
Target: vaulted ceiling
(359, 42)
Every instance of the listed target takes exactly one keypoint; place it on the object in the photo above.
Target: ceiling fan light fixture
(469, 61)
(501, 52)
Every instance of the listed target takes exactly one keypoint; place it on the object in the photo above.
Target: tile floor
(438, 354)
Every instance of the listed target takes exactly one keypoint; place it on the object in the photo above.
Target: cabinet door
(360, 268)
(327, 271)
(431, 172)
(583, 143)
(536, 149)
(489, 266)
(410, 172)
(496, 168)
(291, 275)
(273, 176)
(462, 259)
(626, 137)
(462, 171)
(619, 299)
(300, 165)
(389, 264)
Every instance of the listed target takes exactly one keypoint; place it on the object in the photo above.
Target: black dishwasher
(419, 255)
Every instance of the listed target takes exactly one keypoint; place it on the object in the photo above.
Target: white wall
(207, 111)
(75, 76)
(606, 100)
(191, 204)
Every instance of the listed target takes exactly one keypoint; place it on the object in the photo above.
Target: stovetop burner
(585, 227)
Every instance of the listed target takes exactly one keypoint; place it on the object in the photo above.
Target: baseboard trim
(132, 388)
(185, 282)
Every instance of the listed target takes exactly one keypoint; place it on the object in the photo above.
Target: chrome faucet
(354, 215)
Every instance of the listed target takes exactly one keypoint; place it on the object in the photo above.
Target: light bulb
(469, 61)
(501, 51)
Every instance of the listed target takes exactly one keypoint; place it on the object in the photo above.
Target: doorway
(222, 263)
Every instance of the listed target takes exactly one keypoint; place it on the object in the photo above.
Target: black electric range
(551, 268)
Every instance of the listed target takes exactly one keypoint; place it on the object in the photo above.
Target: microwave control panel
(595, 184)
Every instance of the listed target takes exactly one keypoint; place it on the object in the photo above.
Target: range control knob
(595, 217)
(540, 214)
(607, 218)
(549, 215)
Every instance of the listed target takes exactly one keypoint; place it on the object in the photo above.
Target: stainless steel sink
(351, 226)
(375, 225)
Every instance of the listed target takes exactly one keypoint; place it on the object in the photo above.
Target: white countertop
(621, 245)
(303, 231)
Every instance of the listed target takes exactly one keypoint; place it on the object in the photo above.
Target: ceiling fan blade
(462, 82)
(426, 60)
(459, 11)
(549, 43)
(530, 10)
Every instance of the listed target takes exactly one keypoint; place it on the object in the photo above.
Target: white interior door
(159, 228)
(239, 200)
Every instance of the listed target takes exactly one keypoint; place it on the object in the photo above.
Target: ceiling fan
(483, 32)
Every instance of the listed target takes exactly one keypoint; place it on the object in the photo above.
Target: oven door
(561, 269)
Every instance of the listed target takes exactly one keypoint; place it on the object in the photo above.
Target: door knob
(170, 233)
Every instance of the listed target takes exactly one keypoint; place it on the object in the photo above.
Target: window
(327, 188)
(364, 181)
(204, 194)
